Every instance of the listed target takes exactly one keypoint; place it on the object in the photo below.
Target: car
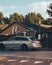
(19, 42)
(36, 43)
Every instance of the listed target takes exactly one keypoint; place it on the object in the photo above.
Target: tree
(11, 19)
(6, 20)
(21, 18)
(16, 18)
(39, 16)
(31, 18)
(1, 18)
(49, 9)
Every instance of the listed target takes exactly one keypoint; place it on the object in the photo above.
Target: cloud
(7, 10)
(1, 8)
(40, 7)
(7, 14)
(13, 7)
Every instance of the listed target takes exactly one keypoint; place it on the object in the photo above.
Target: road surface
(26, 58)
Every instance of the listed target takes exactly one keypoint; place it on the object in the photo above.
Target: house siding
(9, 30)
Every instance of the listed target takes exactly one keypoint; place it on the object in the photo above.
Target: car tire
(2, 46)
(24, 47)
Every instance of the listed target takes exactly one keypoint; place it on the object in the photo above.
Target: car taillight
(33, 42)
(37, 42)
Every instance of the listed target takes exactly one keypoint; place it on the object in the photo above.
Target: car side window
(21, 39)
(11, 39)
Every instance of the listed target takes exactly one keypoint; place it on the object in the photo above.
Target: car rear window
(33, 38)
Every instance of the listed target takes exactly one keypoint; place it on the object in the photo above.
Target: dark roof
(20, 23)
(30, 27)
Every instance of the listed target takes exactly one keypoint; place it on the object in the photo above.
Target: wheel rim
(24, 47)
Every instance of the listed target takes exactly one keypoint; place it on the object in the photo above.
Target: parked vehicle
(35, 42)
(19, 42)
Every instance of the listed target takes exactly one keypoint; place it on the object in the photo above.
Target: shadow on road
(18, 50)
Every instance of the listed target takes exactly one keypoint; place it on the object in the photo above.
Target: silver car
(19, 42)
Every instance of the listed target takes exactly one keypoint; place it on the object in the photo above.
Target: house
(17, 29)
(24, 29)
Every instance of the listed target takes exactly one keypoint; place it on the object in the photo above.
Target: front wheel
(24, 47)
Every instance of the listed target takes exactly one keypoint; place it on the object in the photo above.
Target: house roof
(46, 26)
(30, 27)
(21, 24)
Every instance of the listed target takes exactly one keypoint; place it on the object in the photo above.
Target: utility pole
(39, 35)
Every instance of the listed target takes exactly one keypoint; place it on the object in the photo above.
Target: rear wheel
(24, 47)
(2, 47)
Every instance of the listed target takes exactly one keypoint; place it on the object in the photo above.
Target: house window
(45, 35)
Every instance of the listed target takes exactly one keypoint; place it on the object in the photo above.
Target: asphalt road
(16, 57)
(30, 53)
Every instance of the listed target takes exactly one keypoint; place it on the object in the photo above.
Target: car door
(9, 43)
(17, 42)
(13, 43)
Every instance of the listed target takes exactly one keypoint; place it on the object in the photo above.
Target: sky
(23, 7)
